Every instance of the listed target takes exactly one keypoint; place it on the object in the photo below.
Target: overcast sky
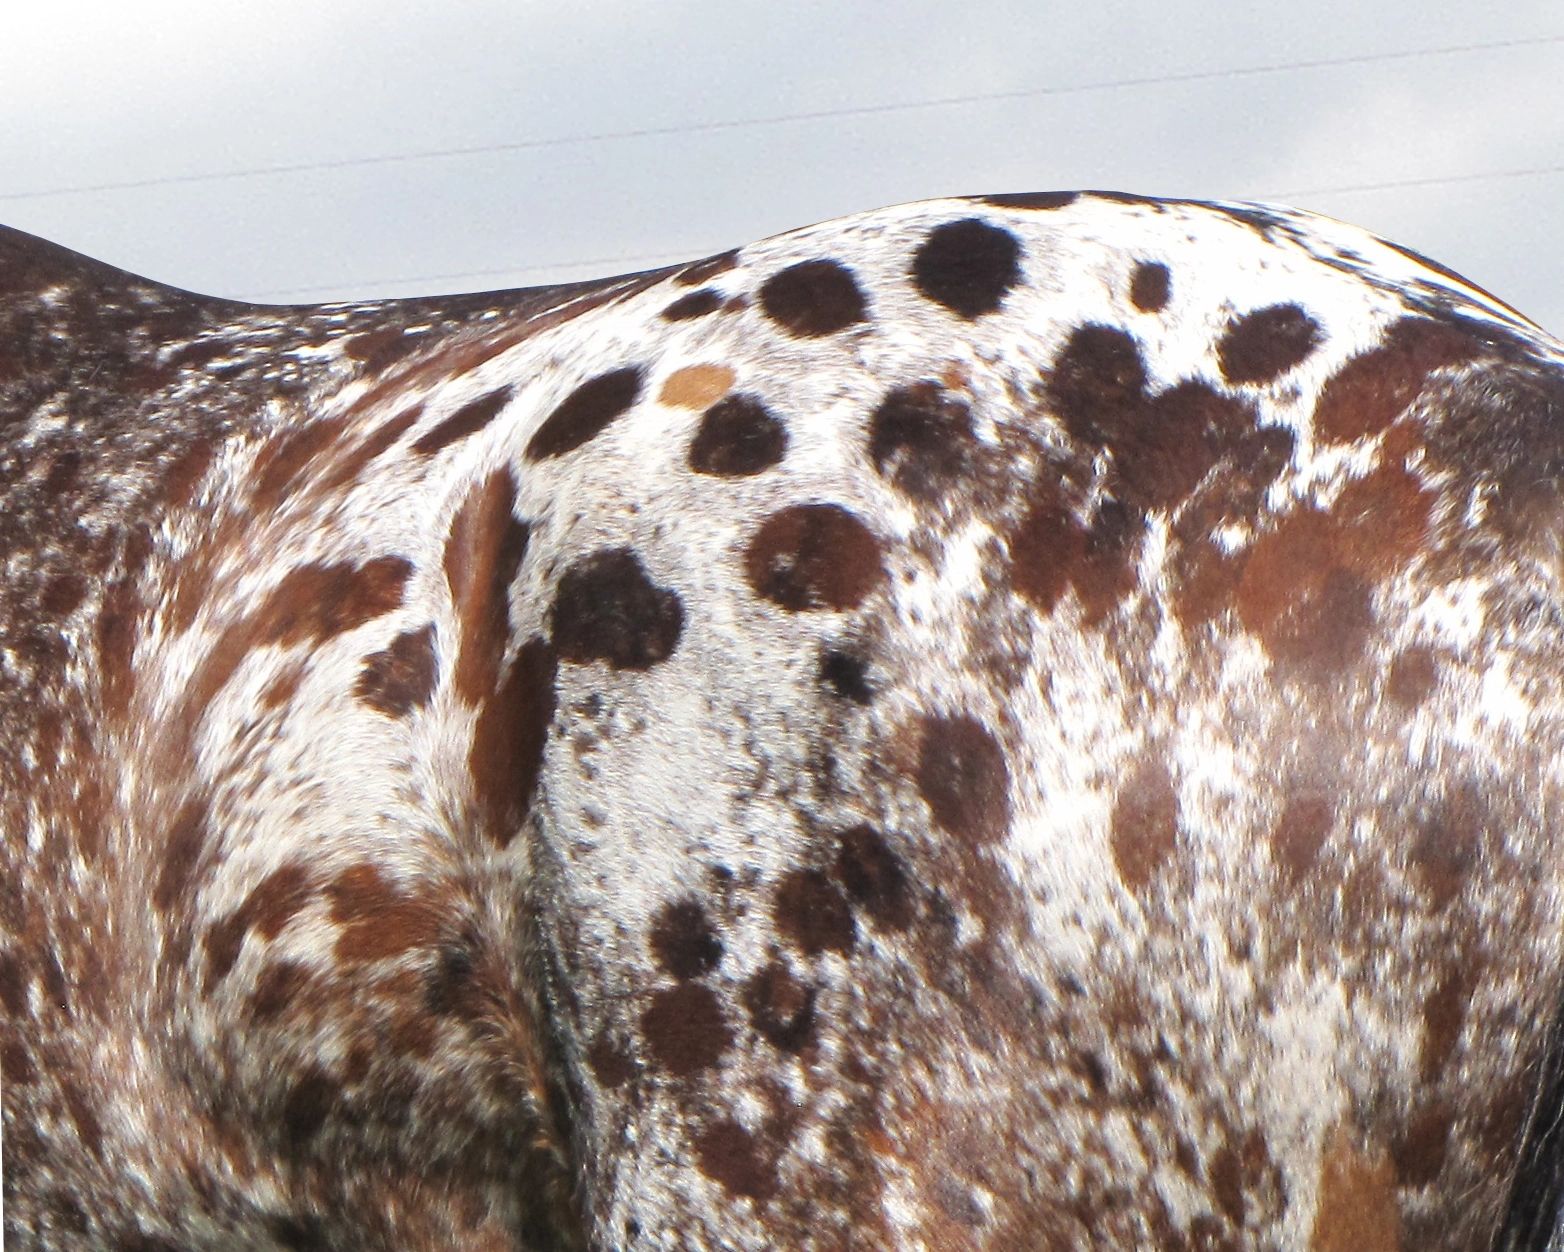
(625, 135)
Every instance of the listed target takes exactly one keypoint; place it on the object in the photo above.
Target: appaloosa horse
(1023, 722)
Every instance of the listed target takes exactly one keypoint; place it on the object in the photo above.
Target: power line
(867, 110)
(653, 258)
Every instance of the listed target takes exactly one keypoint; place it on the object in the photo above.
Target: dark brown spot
(585, 413)
(814, 556)
(118, 629)
(183, 849)
(1299, 835)
(781, 1009)
(467, 420)
(1444, 1016)
(964, 779)
(607, 608)
(16, 1066)
(401, 678)
(847, 676)
(730, 1156)
(738, 435)
(280, 463)
(1267, 343)
(812, 298)
(276, 988)
(13, 985)
(1445, 846)
(1412, 678)
(875, 877)
(1374, 388)
(483, 556)
(967, 266)
(811, 911)
(1384, 520)
(1304, 607)
(82, 1115)
(1044, 551)
(1144, 833)
(63, 593)
(506, 757)
(698, 272)
(351, 464)
(1245, 1181)
(685, 1030)
(380, 348)
(1150, 286)
(1420, 1149)
(685, 944)
(611, 1064)
(920, 437)
(308, 1106)
(695, 304)
(1096, 382)
(1033, 199)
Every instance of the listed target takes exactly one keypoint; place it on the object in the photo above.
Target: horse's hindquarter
(988, 724)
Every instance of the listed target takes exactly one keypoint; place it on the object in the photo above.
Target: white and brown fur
(1024, 722)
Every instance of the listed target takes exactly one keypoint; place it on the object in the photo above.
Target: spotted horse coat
(1026, 722)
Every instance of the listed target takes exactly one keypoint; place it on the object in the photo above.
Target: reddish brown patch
(278, 898)
(319, 602)
(276, 988)
(1144, 833)
(63, 594)
(811, 911)
(467, 420)
(1295, 596)
(376, 349)
(1298, 836)
(963, 777)
(184, 848)
(1412, 678)
(348, 467)
(483, 556)
(1420, 1150)
(1374, 388)
(1384, 521)
(814, 556)
(1444, 1017)
(82, 1114)
(1446, 846)
(697, 272)
(119, 625)
(685, 1030)
(729, 1155)
(1356, 1209)
(1044, 552)
(683, 940)
(506, 757)
(1150, 286)
(402, 677)
(186, 472)
(281, 462)
(13, 985)
(379, 920)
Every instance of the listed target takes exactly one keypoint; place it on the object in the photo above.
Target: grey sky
(96, 92)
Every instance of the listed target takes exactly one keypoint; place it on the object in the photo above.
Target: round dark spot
(814, 556)
(813, 298)
(967, 266)
(1097, 382)
(685, 1029)
(585, 413)
(308, 1106)
(811, 911)
(1033, 199)
(610, 1063)
(1264, 344)
(729, 1155)
(738, 435)
(608, 609)
(696, 304)
(685, 944)
(847, 676)
(781, 1009)
(963, 778)
(1299, 835)
(1149, 286)
(874, 877)
(920, 438)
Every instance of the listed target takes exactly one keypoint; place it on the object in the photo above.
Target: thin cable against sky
(867, 110)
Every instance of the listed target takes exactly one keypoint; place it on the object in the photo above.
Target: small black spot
(847, 676)
(813, 298)
(967, 266)
(685, 944)
(608, 609)
(738, 435)
(585, 413)
(696, 304)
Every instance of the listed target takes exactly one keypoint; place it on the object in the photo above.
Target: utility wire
(867, 110)
(653, 258)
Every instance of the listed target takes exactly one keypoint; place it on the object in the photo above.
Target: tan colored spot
(697, 386)
(1356, 1208)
